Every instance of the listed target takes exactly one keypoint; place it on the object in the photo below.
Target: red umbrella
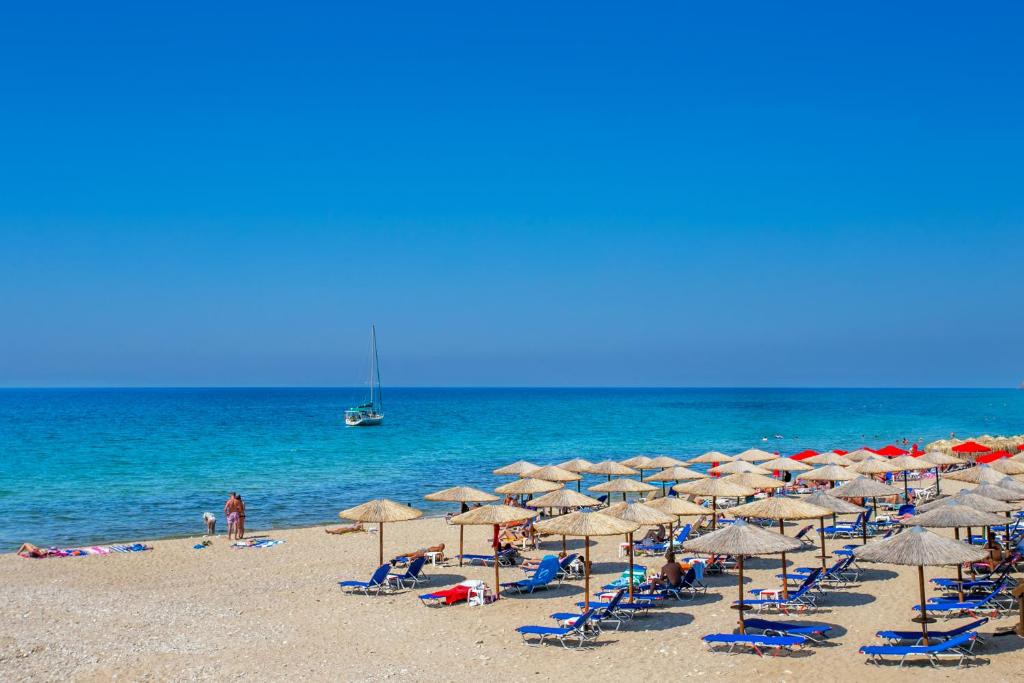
(971, 447)
(891, 451)
(839, 451)
(803, 455)
(990, 457)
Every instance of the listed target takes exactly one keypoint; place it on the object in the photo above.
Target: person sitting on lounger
(671, 573)
(531, 563)
(655, 535)
(439, 548)
(346, 528)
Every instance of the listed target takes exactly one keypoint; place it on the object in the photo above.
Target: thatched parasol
(828, 458)
(713, 489)
(380, 511)
(640, 463)
(676, 473)
(752, 480)
(979, 474)
(521, 487)
(623, 486)
(461, 494)
(864, 487)
(1007, 466)
(663, 461)
(644, 516)
(611, 468)
(755, 455)
(837, 506)
(562, 499)
(860, 454)
(977, 502)
(921, 548)
(577, 465)
(741, 539)
(996, 492)
(552, 473)
(1012, 484)
(830, 473)
(873, 465)
(785, 465)
(738, 467)
(711, 458)
(586, 524)
(780, 508)
(494, 515)
(516, 469)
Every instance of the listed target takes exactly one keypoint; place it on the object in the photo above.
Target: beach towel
(257, 543)
(453, 594)
(90, 550)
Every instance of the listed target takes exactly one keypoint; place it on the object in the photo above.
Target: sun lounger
(377, 583)
(546, 574)
(563, 634)
(800, 599)
(504, 558)
(814, 632)
(803, 537)
(600, 614)
(914, 637)
(620, 608)
(840, 574)
(662, 548)
(995, 603)
(412, 576)
(755, 642)
(958, 648)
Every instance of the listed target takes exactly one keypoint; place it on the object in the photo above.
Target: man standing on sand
(232, 510)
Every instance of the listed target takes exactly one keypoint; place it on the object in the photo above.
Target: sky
(538, 194)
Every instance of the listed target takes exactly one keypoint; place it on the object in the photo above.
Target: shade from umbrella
(711, 458)
(521, 487)
(786, 465)
(828, 473)
(610, 468)
(755, 455)
(577, 465)
(552, 473)
(741, 539)
(516, 469)
(859, 455)
(921, 548)
(780, 508)
(714, 489)
(585, 525)
(663, 461)
(829, 458)
(738, 467)
(979, 474)
(644, 516)
(494, 515)
(623, 486)
(754, 480)
(381, 511)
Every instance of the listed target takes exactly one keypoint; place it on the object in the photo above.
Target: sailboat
(371, 413)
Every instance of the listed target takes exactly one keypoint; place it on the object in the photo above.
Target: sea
(86, 466)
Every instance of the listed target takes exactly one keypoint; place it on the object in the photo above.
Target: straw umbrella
(979, 474)
(954, 514)
(579, 466)
(859, 454)
(644, 516)
(996, 492)
(552, 473)
(611, 468)
(639, 463)
(712, 458)
(864, 487)
(741, 539)
(738, 467)
(977, 502)
(677, 474)
(755, 455)
(623, 486)
(380, 511)
(1008, 467)
(494, 515)
(837, 506)
(1011, 484)
(586, 524)
(714, 489)
(908, 463)
(939, 459)
(516, 469)
(780, 508)
(786, 465)
(873, 465)
(463, 495)
(677, 507)
(525, 487)
(752, 480)
(828, 458)
(664, 461)
(563, 498)
(921, 548)
(829, 473)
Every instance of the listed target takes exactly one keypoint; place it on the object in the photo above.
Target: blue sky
(529, 194)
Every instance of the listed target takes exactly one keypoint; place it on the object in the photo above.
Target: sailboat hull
(363, 420)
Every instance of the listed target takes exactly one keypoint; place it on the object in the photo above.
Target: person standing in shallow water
(232, 508)
(240, 531)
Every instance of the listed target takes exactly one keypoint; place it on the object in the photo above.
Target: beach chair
(662, 548)
(804, 538)
(577, 631)
(568, 567)
(847, 529)
(815, 633)
(801, 599)
(755, 642)
(505, 558)
(959, 648)
(914, 637)
(997, 602)
(840, 575)
(981, 582)
(623, 610)
(719, 564)
(600, 614)
(377, 583)
(412, 576)
(546, 574)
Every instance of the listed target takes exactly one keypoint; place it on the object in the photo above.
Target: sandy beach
(176, 613)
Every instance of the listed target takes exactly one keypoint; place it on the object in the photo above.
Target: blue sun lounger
(914, 637)
(600, 614)
(661, 548)
(625, 610)
(840, 574)
(959, 648)
(755, 642)
(801, 598)
(575, 631)
(814, 632)
(546, 574)
(412, 576)
(504, 558)
(996, 602)
(377, 583)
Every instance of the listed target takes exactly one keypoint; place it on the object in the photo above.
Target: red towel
(453, 594)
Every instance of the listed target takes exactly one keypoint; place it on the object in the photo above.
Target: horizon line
(495, 386)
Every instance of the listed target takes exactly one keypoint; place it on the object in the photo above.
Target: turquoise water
(81, 466)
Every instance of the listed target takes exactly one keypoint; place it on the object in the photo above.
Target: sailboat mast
(376, 366)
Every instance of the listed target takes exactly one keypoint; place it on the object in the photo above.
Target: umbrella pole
(864, 527)
(714, 513)
(1007, 531)
(821, 530)
(630, 566)
(740, 605)
(564, 551)
(497, 579)
(924, 604)
(785, 583)
(462, 531)
(937, 481)
(380, 542)
(578, 489)
(970, 543)
(959, 569)
(906, 488)
(586, 575)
